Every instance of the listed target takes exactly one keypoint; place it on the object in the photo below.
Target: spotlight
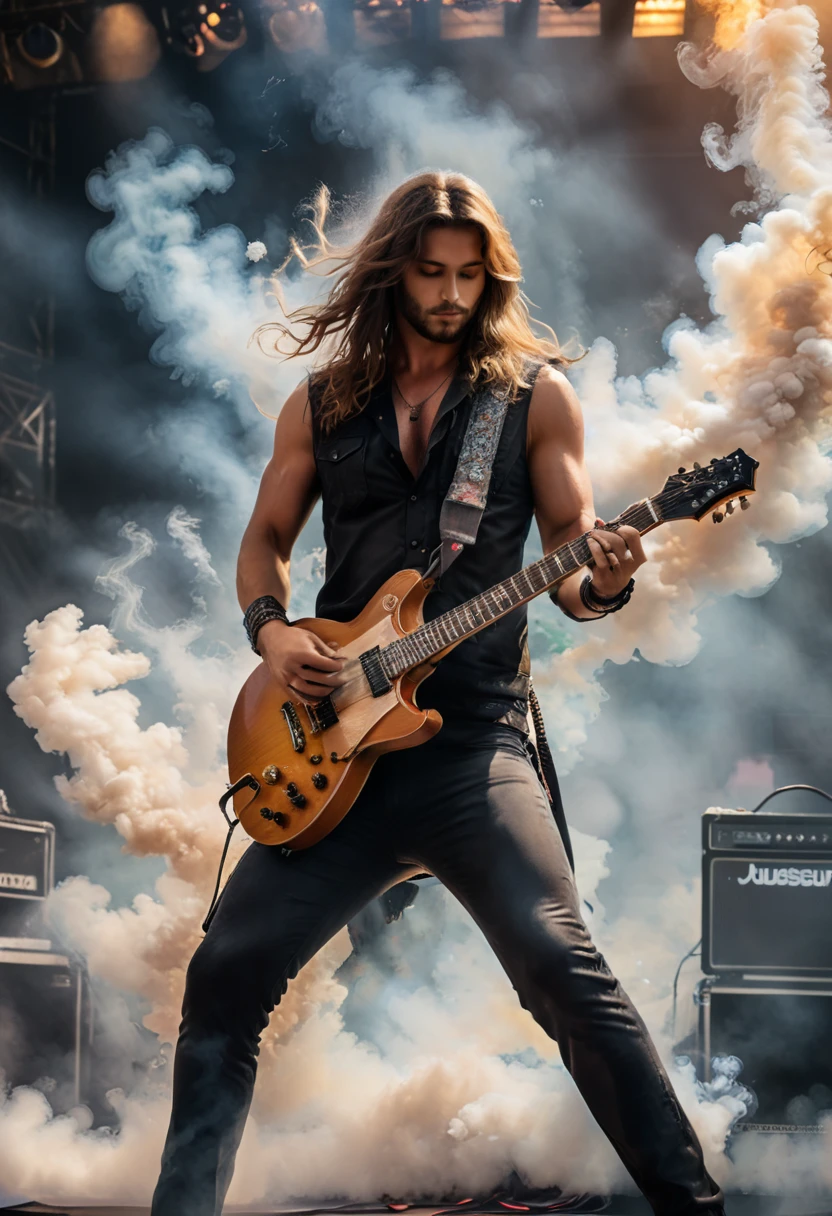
(123, 45)
(40, 45)
(299, 25)
(39, 54)
(208, 31)
(381, 21)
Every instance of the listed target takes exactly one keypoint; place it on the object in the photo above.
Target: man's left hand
(617, 555)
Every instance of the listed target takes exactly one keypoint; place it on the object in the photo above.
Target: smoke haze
(448, 1084)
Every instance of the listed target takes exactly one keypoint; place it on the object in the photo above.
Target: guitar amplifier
(27, 870)
(767, 894)
(780, 1033)
(45, 1021)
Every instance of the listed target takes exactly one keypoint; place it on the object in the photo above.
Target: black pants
(467, 806)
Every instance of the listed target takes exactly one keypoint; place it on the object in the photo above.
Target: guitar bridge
(321, 714)
(295, 726)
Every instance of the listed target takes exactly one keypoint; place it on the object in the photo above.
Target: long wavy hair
(354, 327)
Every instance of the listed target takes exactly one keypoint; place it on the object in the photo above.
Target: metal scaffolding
(27, 403)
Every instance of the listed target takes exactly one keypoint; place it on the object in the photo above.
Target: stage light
(40, 54)
(472, 19)
(378, 22)
(563, 20)
(123, 45)
(295, 25)
(40, 45)
(659, 19)
(207, 31)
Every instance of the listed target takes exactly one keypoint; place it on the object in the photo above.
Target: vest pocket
(341, 469)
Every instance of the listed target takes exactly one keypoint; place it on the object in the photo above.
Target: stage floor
(736, 1205)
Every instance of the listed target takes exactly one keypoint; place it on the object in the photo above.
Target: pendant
(414, 416)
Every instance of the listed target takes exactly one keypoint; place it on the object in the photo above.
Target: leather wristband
(604, 603)
(601, 605)
(553, 596)
(259, 612)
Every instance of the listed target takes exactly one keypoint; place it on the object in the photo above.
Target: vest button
(334, 455)
(414, 544)
(413, 497)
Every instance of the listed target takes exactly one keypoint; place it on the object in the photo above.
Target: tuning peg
(697, 465)
(714, 459)
(682, 470)
(718, 517)
(729, 507)
(744, 503)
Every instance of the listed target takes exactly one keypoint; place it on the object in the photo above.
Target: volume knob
(319, 781)
(271, 774)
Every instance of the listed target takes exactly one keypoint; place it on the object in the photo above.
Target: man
(426, 306)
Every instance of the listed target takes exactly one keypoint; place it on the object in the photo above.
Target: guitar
(296, 767)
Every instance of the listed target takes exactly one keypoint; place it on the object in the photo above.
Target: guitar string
(428, 632)
(435, 633)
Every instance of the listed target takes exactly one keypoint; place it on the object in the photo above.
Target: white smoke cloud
(461, 1117)
(191, 286)
(184, 530)
(759, 376)
(256, 251)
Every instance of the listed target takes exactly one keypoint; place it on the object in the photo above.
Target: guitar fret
(464, 619)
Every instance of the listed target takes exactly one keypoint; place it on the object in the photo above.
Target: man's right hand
(299, 660)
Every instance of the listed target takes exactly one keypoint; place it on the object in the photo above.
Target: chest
(414, 436)
(377, 467)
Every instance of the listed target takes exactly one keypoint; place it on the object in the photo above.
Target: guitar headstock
(705, 488)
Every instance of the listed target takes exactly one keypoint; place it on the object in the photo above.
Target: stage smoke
(336, 1114)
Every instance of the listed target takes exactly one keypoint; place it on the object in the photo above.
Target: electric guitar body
(296, 767)
(309, 767)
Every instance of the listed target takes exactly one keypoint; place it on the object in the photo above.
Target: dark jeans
(467, 806)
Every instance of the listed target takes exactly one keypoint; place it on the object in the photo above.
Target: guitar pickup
(295, 726)
(321, 714)
(374, 671)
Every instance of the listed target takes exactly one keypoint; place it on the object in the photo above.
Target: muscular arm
(288, 492)
(296, 658)
(562, 492)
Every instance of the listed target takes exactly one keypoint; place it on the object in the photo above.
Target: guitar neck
(445, 631)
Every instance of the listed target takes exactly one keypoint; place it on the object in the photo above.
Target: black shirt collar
(383, 412)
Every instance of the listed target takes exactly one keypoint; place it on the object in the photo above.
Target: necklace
(416, 409)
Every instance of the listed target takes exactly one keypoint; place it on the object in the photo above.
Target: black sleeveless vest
(378, 519)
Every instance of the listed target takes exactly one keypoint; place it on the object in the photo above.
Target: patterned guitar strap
(459, 522)
(464, 505)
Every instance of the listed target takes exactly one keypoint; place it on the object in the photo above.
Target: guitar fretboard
(443, 631)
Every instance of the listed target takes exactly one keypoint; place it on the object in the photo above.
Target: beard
(431, 325)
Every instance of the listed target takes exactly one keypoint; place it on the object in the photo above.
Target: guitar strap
(464, 504)
(459, 522)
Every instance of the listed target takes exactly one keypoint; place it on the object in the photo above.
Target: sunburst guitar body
(310, 761)
(297, 767)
